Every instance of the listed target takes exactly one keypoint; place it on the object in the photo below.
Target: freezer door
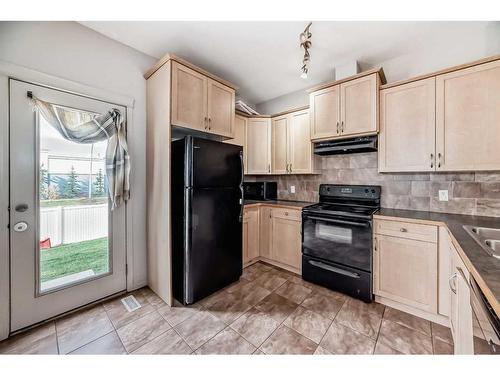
(215, 164)
(214, 252)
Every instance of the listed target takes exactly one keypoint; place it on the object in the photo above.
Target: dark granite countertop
(485, 266)
(284, 203)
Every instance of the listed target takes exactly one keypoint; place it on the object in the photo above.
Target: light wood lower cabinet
(273, 234)
(250, 235)
(405, 269)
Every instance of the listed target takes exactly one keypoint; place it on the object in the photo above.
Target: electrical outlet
(292, 189)
(443, 195)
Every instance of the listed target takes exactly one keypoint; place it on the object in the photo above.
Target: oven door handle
(338, 221)
(340, 271)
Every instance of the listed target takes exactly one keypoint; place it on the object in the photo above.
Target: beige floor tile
(308, 323)
(384, 349)
(441, 332)
(270, 281)
(294, 292)
(167, 343)
(277, 307)
(359, 319)
(229, 309)
(441, 347)
(220, 295)
(258, 352)
(259, 267)
(342, 340)
(360, 306)
(82, 327)
(404, 339)
(251, 293)
(227, 342)
(199, 328)
(255, 326)
(178, 313)
(249, 275)
(142, 330)
(235, 287)
(108, 344)
(321, 351)
(120, 316)
(328, 306)
(39, 340)
(286, 341)
(407, 320)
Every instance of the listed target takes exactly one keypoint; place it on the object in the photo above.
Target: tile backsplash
(471, 193)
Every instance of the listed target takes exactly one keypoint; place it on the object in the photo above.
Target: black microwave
(262, 191)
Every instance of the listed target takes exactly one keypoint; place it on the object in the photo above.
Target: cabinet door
(407, 122)
(359, 106)
(468, 118)
(444, 269)
(406, 271)
(265, 233)
(240, 129)
(220, 109)
(325, 112)
(259, 146)
(300, 146)
(279, 145)
(250, 234)
(189, 98)
(286, 241)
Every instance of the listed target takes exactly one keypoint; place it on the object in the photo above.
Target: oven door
(341, 240)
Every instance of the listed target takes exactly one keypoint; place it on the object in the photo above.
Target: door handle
(209, 123)
(342, 127)
(432, 161)
(206, 122)
(338, 127)
(439, 160)
(22, 207)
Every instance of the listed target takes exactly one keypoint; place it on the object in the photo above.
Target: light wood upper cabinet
(291, 144)
(359, 105)
(468, 118)
(259, 146)
(220, 108)
(279, 144)
(201, 103)
(250, 234)
(407, 122)
(240, 134)
(405, 270)
(286, 237)
(325, 112)
(189, 98)
(301, 158)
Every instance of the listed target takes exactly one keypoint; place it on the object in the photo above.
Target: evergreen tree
(99, 184)
(72, 189)
(43, 184)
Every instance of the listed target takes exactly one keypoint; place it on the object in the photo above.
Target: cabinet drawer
(421, 232)
(286, 213)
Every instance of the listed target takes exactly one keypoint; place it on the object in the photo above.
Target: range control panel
(350, 191)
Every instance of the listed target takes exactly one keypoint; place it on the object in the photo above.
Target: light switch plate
(443, 195)
(292, 189)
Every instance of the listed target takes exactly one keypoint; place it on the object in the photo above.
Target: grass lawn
(72, 202)
(73, 258)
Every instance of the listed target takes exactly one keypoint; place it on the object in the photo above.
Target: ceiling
(263, 58)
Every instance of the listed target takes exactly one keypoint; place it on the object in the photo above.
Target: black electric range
(337, 239)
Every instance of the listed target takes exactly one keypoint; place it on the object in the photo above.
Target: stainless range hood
(346, 146)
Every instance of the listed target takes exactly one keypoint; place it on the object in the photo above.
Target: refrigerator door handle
(241, 186)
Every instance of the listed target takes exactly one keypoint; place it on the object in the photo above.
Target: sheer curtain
(84, 127)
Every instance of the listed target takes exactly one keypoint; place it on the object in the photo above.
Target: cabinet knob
(404, 230)
(286, 213)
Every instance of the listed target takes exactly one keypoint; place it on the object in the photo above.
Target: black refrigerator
(207, 215)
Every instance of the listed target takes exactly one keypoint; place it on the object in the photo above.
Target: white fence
(71, 224)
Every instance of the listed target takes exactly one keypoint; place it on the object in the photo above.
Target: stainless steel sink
(487, 238)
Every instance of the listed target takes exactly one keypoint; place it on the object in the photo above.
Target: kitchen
(358, 215)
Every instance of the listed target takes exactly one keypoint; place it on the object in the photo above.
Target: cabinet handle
(338, 127)
(269, 168)
(209, 122)
(342, 127)
(454, 276)
(375, 244)
(206, 122)
(432, 161)
(286, 213)
(290, 168)
(439, 160)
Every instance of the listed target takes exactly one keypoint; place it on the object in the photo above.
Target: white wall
(71, 51)
(443, 52)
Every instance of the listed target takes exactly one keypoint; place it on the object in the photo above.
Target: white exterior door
(68, 248)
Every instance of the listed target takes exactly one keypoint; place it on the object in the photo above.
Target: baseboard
(436, 318)
(281, 265)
